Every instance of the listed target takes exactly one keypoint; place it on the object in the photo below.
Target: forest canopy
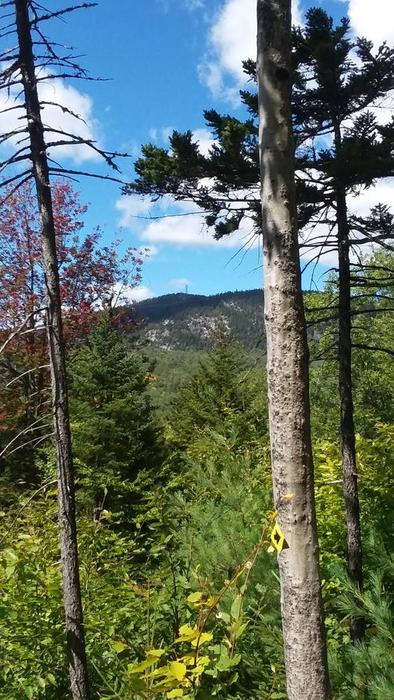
(196, 491)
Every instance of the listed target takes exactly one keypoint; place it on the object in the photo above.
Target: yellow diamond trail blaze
(278, 539)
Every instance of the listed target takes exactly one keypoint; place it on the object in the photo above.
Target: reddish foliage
(90, 274)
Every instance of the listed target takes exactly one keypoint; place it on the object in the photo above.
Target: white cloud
(231, 40)
(373, 19)
(77, 102)
(150, 251)
(125, 293)
(190, 5)
(204, 139)
(160, 135)
(190, 230)
(131, 207)
(381, 193)
(140, 293)
(57, 91)
(178, 223)
(153, 135)
(187, 230)
(180, 282)
(182, 224)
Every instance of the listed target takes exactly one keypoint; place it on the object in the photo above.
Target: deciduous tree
(91, 275)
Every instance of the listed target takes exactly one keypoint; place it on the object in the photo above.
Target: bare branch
(14, 189)
(16, 158)
(87, 174)
(4, 183)
(319, 484)
(9, 134)
(18, 330)
(108, 156)
(10, 109)
(34, 441)
(74, 76)
(373, 348)
(28, 371)
(30, 429)
(59, 13)
(64, 109)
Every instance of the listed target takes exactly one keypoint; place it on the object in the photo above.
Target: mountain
(188, 321)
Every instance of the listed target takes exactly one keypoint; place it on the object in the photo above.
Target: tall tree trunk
(68, 533)
(287, 365)
(348, 441)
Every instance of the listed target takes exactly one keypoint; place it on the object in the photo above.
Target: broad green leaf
(238, 629)
(187, 633)
(195, 597)
(142, 666)
(236, 607)
(177, 669)
(155, 652)
(204, 637)
(10, 556)
(118, 646)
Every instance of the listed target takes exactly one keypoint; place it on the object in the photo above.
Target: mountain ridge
(183, 321)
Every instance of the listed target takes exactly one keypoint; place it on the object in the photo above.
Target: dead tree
(34, 59)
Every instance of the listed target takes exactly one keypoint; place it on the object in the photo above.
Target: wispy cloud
(56, 92)
(180, 283)
(190, 5)
(231, 40)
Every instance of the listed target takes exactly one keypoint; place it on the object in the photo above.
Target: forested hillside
(188, 321)
(196, 492)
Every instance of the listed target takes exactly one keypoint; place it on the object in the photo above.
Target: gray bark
(67, 522)
(348, 439)
(287, 365)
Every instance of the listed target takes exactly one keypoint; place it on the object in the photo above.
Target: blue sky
(168, 60)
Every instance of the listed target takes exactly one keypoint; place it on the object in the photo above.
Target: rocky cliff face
(189, 321)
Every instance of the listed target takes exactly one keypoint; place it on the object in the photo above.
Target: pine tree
(341, 148)
(223, 395)
(115, 439)
(360, 151)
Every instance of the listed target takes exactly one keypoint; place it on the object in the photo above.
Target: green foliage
(32, 644)
(171, 369)
(221, 504)
(223, 395)
(115, 438)
(375, 460)
(372, 358)
(181, 596)
(32, 640)
(366, 671)
(188, 321)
